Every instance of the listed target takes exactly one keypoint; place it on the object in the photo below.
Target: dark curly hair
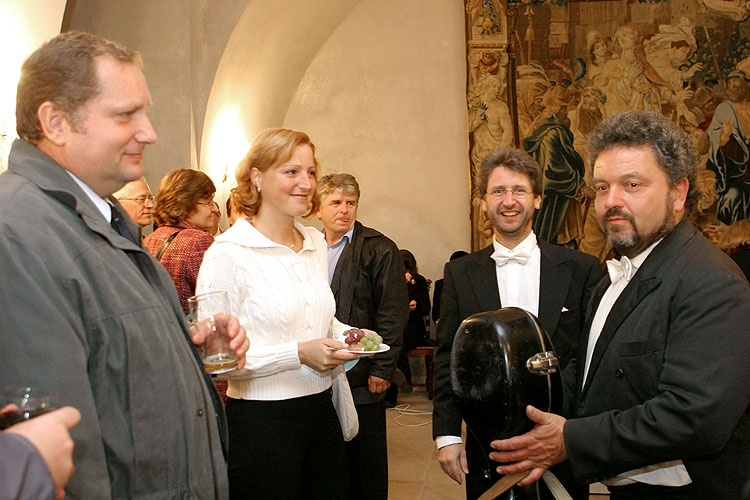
(669, 143)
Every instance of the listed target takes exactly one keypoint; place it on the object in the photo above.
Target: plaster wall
(23, 27)
(181, 42)
(384, 101)
(378, 85)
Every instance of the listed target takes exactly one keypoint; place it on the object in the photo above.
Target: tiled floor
(413, 469)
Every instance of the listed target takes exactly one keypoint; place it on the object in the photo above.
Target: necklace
(294, 236)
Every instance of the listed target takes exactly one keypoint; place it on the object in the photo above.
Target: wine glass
(209, 313)
(23, 403)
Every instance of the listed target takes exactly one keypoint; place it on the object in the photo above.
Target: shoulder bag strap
(166, 243)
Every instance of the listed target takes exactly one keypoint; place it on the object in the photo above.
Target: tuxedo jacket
(670, 373)
(567, 278)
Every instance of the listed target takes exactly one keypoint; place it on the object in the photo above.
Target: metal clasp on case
(542, 363)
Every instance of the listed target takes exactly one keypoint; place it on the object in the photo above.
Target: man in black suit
(551, 282)
(662, 409)
(366, 274)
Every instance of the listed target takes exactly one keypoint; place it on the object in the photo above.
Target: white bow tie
(503, 256)
(619, 269)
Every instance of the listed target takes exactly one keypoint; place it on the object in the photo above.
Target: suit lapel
(596, 298)
(628, 300)
(483, 280)
(645, 280)
(554, 281)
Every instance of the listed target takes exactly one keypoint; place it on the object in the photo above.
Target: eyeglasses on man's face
(517, 192)
(141, 200)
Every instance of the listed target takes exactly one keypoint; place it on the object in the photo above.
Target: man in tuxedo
(663, 394)
(366, 274)
(549, 281)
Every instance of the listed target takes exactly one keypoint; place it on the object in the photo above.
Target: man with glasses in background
(137, 200)
(551, 282)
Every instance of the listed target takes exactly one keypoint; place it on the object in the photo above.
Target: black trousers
(290, 449)
(482, 474)
(641, 491)
(368, 455)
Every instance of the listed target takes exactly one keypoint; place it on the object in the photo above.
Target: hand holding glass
(209, 314)
(23, 403)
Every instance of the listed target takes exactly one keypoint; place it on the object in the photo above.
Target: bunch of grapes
(353, 336)
(371, 342)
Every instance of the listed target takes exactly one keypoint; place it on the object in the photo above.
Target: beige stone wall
(23, 27)
(182, 42)
(378, 84)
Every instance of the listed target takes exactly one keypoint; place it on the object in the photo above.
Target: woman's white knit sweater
(281, 298)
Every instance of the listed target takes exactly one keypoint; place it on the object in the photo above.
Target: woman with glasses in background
(186, 215)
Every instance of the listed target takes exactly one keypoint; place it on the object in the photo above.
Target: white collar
(349, 235)
(527, 245)
(100, 202)
(639, 259)
(243, 233)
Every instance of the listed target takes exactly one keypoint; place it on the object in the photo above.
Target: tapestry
(541, 74)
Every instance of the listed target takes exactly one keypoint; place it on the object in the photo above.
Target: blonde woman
(286, 441)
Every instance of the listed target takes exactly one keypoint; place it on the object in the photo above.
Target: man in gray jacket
(87, 312)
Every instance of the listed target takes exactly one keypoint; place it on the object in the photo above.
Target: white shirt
(281, 298)
(100, 202)
(518, 285)
(671, 473)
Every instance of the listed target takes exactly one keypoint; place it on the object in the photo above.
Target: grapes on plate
(369, 341)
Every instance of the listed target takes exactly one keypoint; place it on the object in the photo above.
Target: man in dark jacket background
(367, 278)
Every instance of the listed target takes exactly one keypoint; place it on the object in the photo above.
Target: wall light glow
(226, 147)
(23, 27)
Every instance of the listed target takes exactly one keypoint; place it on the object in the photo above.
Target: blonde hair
(271, 148)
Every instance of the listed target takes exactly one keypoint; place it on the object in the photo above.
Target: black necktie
(118, 224)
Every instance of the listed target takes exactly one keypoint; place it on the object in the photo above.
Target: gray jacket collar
(28, 161)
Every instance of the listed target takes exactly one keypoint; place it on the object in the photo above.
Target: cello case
(501, 362)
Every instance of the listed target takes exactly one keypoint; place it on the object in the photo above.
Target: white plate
(383, 348)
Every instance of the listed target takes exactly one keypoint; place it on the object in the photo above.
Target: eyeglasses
(141, 200)
(210, 204)
(517, 192)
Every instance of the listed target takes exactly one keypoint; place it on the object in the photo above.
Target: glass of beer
(209, 313)
(24, 403)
